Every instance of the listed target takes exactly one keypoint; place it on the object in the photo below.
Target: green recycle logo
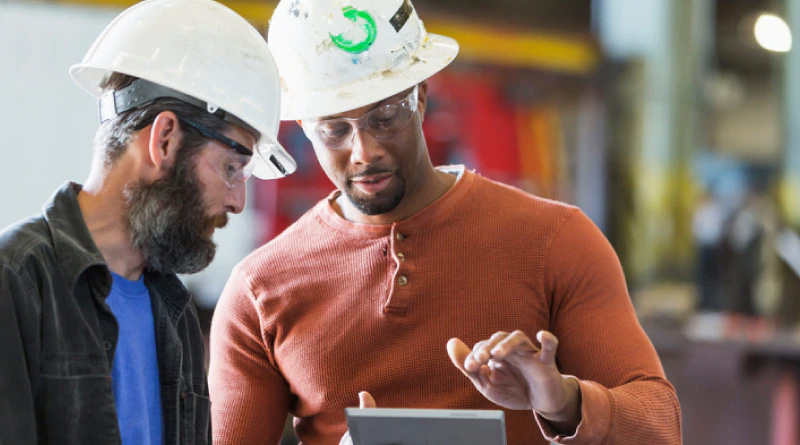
(355, 15)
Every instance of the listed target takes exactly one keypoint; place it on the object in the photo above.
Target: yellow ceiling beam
(480, 43)
(529, 49)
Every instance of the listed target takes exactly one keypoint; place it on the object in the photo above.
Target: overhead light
(773, 34)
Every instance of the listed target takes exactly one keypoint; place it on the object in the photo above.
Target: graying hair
(113, 136)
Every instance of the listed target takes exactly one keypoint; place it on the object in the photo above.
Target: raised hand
(509, 370)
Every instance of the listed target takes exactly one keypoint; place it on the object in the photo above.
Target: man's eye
(232, 170)
(382, 122)
(334, 130)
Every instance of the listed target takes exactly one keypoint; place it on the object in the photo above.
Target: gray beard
(167, 221)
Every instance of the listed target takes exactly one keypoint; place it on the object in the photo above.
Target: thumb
(365, 400)
(458, 353)
(549, 346)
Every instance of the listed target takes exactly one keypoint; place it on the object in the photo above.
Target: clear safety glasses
(235, 164)
(382, 122)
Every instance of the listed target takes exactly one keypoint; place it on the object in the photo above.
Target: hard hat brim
(431, 58)
(272, 160)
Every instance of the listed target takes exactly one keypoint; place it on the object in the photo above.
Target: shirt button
(400, 237)
(402, 280)
(401, 257)
(107, 345)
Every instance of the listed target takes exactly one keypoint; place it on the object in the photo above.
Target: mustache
(369, 171)
(218, 221)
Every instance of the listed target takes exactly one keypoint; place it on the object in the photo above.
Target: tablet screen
(404, 426)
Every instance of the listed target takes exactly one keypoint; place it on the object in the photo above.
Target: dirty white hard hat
(203, 50)
(338, 55)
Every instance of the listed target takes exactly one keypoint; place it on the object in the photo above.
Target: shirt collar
(76, 251)
(422, 218)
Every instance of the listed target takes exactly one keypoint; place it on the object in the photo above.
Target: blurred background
(674, 124)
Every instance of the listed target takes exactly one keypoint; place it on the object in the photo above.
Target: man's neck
(103, 207)
(429, 190)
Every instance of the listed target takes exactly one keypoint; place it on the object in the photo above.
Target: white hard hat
(204, 50)
(338, 55)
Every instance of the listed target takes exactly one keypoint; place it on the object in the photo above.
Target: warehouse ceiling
(734, 40)
(573, 16)
(734, 46)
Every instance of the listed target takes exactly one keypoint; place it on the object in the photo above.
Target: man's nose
(235, 198)
(366, 149)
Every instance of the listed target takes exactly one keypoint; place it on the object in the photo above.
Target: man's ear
(422, 98)
(165, 140)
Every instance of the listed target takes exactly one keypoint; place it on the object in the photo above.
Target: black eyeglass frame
(217, 136)
(142, 92)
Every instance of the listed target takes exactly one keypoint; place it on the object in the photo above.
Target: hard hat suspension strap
(143, 92)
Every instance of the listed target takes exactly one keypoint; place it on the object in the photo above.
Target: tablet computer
(410, 426)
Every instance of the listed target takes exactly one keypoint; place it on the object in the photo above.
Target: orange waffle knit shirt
(330, 308)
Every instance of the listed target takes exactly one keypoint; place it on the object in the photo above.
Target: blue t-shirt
(134, 375)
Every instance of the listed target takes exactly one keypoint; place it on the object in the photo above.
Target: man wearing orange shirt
(375, 286)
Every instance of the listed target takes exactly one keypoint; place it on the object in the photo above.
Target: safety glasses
(234, 164)
(382, 122)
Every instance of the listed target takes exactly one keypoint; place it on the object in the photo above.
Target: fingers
(482, 352)
(459, 352)
(503, 346)
(490, 355)
(549, 344)
(365, 400)
(515, 344)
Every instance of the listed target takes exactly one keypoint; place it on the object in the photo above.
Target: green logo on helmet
(355, 15)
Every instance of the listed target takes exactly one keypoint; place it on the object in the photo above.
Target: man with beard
(101, 343)
(370, 288)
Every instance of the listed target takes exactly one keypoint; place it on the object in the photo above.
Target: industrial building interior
(673, 124)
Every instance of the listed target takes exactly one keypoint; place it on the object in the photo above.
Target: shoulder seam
(25, 279)
(566, 217)
(16, 257)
